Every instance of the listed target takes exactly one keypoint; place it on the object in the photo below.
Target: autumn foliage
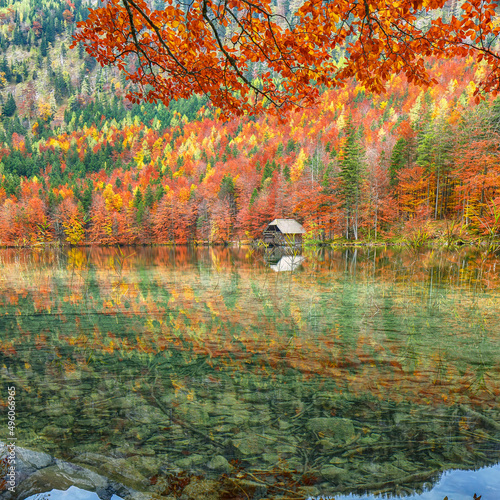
(249, 57)
(357, 165)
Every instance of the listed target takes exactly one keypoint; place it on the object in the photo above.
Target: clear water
(256, 376)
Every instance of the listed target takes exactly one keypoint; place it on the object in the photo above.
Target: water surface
(246, 375)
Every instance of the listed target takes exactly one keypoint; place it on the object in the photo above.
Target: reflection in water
(72, 493)
(185, 370)
(456, 485)
(288, 263)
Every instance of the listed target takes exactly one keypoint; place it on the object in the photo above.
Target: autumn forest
(81, 163)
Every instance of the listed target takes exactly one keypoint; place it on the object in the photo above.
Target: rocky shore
(38, 472)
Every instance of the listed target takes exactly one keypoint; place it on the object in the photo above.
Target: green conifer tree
(398, 160)
(9, 108)
(255, 195)
(149, 197)
(352, 175)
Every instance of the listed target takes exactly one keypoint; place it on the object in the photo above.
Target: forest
(82, 163)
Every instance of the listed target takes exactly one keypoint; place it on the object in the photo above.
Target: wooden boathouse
(283, 232)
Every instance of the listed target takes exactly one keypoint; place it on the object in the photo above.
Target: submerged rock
(333, 473)
(250, 444)
(339, 430)
(201, 488)
(147, 466)
(370, 440)
(308, 491)
(220, 464)
(118, 469)
(271, 458)
(52, 431)
(61, 476)
(191, 461)
(146, 414)
(284, 425)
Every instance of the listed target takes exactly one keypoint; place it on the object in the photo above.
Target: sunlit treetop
(248, 58)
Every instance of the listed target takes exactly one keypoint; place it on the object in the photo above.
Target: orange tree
(247, 56)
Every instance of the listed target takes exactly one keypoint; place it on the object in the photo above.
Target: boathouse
(285, 232)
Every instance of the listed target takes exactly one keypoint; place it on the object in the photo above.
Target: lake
(236, 373)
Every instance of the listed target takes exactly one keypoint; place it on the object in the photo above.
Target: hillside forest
(81, 163)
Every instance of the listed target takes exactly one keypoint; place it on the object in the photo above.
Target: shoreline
(257, 244)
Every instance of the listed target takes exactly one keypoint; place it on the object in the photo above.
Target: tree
(9, 107)
(476, 164)
(399, 159)
(213, 47)
(72, 221)
(149, 197)
(175, 218)
(434, 154)
(351, 175)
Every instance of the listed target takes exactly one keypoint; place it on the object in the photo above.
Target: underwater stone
(339, 429)
(255, 397)
(64, 421)
(54, 432)
(148, 415)
(118, 469)
(271, 458)
(201, 488)
(286, 448)
(332, 473)
(147, 466)
(56, 411)
(220, 464)
(308, 491)
(248, 444)
(284, 425)
(326, 444)
(191, 461)
(370, 440)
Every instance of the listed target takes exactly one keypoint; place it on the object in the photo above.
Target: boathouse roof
(288, 226)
